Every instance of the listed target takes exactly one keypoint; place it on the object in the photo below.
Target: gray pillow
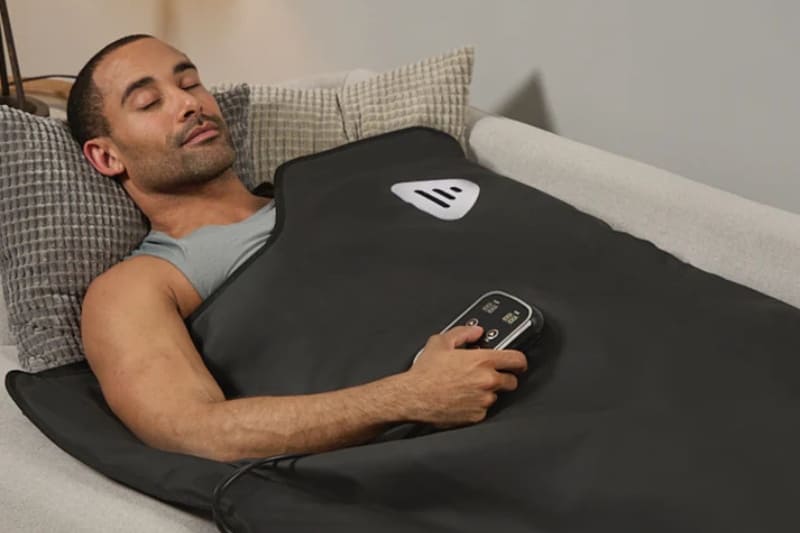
(62, 224)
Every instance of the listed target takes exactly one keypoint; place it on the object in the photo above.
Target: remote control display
(499, 315)
(503, 318)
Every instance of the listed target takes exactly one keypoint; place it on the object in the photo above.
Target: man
(143, 117)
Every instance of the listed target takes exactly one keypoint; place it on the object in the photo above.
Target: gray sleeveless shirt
(210, 254)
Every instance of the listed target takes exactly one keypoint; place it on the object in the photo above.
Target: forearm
(270, 425)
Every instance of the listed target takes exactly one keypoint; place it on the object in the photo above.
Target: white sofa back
(738, 239)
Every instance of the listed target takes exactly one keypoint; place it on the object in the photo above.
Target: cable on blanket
(224, 485)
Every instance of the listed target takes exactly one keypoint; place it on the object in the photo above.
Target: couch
(44, 489)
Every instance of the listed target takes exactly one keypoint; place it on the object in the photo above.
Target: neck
(224, 200)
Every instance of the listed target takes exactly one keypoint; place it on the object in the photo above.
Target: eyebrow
(147, 80)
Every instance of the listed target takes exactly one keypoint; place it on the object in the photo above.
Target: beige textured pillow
(433, 92)
(287, 122)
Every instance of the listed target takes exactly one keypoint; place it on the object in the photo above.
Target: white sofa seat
(43, 489)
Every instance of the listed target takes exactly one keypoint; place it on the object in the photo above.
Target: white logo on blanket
(447, 199)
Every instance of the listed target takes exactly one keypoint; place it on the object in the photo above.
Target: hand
(455, 387)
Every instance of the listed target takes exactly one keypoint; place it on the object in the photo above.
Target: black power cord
(224, 485)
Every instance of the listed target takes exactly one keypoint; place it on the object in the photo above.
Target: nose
(189, 105)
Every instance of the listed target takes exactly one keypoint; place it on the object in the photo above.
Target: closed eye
(151, 104)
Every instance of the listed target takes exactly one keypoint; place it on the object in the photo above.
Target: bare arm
(155, 381)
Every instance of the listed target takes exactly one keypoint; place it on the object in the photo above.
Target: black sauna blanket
(660, 397)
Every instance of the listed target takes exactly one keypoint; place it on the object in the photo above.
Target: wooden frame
(53, 88)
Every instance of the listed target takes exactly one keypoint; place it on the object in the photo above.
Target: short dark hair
(85, 103)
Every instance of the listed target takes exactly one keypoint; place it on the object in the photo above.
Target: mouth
(200, 134)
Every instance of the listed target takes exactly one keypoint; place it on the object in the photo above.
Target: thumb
(460, 335)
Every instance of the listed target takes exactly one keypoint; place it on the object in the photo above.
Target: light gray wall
(705, 88)
(59, 36)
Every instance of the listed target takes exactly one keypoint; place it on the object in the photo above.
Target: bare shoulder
(142, 279)
(128, 291)
(135, 279)
(131, 318)
(134, 297)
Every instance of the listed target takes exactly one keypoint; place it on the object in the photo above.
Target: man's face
(166, 128)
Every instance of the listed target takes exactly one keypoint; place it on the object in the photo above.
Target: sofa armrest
(741, 240)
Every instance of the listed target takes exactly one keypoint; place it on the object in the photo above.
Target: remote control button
(491, 334)
(472, 322)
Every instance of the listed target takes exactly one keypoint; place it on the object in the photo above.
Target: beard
(180, 167)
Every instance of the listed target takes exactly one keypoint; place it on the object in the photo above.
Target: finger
(506, 382)
(510, 360)
(488, 400)
(461, 335)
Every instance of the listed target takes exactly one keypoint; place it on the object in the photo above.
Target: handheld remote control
(503, 317)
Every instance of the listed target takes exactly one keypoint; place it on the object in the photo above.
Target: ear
(102, 154)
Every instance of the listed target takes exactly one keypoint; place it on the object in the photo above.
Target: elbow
(174, 431)
(189, 435)
(204, 432)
